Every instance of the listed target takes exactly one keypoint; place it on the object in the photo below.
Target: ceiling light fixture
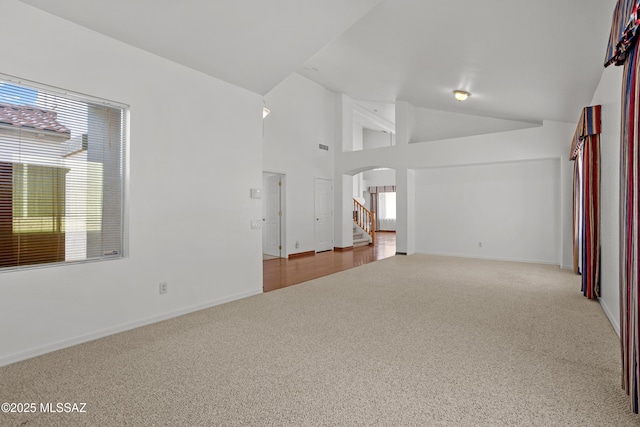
(461, 95)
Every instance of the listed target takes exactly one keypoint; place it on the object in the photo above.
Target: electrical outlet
(164, 287)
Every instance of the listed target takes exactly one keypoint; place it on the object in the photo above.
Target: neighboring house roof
(31, 117)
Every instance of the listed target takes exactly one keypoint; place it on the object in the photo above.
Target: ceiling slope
(253, 44)
(521, 60)
(433, 125)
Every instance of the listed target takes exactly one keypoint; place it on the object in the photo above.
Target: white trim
(529, 261)
(374, 119)
(615, 323)
(126, 170)
(62, 92)
(38, 351)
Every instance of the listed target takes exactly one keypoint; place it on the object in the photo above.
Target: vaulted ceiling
(521, 60)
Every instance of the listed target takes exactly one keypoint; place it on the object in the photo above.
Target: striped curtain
(585, 151)
(623, 50)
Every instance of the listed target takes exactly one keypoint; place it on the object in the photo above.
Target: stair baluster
(365, 219)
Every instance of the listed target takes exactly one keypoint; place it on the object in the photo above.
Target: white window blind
(61, 176)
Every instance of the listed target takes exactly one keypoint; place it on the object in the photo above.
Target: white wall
(549, 141)
(358, 136)
(500, 211)
(608, 95)
(344, 128)
(380, 177)
(195, 151)
(376, 139)
(302, 116)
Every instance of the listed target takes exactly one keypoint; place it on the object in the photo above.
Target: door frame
(315, 213)
(282, 222)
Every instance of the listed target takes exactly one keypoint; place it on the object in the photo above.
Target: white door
(271, 214)
(324, 215)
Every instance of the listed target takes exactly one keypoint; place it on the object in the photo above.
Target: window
(387, 205)
(61, 176)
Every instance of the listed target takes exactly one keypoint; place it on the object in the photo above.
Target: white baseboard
(39, 351)
(614, 322)
(455, 255)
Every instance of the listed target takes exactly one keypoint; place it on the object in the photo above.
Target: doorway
(272, 215)
(324, 215)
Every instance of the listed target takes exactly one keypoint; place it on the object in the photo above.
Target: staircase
(363, 225)
(359, 237)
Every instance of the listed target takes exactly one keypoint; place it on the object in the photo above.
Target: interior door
(324, 214)
(271, 215)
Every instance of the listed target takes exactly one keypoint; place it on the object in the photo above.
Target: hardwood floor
(280, 273)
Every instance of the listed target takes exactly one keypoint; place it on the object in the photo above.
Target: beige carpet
(417, 340)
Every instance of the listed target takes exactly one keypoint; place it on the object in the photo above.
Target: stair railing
(365, 219)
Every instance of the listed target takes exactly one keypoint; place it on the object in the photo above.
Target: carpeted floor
(418, 340)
